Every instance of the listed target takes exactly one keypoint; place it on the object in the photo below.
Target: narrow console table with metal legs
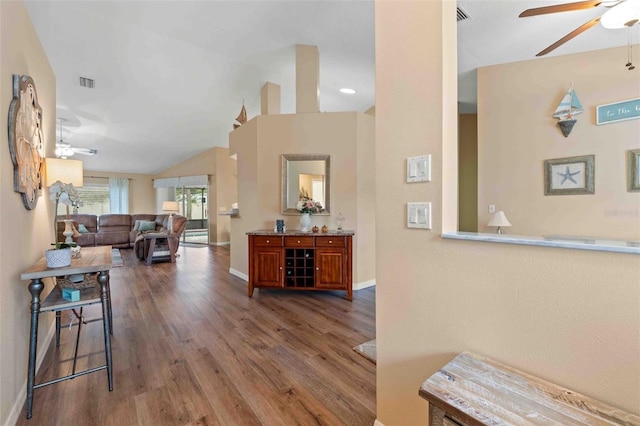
(94, 260)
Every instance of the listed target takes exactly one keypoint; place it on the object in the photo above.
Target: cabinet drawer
(267, 241)
(298, 241)
(330, 242)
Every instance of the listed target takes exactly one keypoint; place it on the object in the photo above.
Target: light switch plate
(419, 169)
(419, 215)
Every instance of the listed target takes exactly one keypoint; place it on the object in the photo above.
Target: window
(95, 199)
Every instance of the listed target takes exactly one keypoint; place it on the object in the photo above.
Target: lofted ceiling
(171, 76)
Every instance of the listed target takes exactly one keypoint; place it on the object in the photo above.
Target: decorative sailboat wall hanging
(568, 107)
(241, 118)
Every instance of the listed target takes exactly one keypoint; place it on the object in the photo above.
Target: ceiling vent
(461, 15)
(89, 84)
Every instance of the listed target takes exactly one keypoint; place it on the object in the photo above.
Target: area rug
(367, 350)
(116, 258)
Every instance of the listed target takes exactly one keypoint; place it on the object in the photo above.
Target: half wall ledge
(557, 241)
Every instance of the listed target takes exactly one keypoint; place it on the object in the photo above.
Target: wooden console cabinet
(300, 261)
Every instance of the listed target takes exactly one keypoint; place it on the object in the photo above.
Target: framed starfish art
(569, 176)
(634, 170)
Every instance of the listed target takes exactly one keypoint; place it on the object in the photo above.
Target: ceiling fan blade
(572, 34)
(84, 151)
(568, 7)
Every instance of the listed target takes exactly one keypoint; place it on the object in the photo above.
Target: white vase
(305, 222)
(57, 258)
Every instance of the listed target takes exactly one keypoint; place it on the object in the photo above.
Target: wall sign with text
(618, 111)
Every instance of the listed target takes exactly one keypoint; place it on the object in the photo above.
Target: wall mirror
(305, 175)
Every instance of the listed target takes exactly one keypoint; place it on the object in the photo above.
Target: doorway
(193, 206)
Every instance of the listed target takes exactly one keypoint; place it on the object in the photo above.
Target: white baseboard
(239, 274)
(364, 284)
(378, 423)
(43, 347)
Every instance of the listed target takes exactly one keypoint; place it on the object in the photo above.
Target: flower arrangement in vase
(68, 195)
(306, 206)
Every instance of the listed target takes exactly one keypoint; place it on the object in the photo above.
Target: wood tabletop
(92, 259)
(480, 391)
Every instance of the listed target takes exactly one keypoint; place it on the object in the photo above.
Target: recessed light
(347, 91)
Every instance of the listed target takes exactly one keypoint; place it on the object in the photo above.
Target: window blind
(182, 181)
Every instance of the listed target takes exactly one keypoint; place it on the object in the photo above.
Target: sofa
(118, 230)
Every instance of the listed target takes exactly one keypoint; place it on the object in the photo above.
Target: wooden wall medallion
(26, 140)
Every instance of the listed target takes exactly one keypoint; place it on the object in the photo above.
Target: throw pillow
(147, 225)
(136, 226)
(82, 229)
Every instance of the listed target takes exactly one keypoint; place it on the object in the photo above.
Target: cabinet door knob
(281, 268)
(330, 241)
(298, 241)
(317, 268)
(268, 241)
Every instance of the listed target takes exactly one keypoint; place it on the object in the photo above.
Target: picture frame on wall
(570, 175)
(633, 165)
(615, 112)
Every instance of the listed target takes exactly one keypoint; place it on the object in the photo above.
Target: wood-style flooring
(190, 348)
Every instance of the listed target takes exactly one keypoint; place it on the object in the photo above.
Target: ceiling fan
(620, 14)
(65, 150)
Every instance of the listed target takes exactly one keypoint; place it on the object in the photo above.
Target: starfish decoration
(567, 175)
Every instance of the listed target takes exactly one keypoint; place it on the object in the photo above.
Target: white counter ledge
(559, 241)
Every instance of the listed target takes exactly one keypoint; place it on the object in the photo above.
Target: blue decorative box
(71, 294)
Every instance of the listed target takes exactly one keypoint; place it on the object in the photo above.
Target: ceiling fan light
(622, 15)
(63, 150)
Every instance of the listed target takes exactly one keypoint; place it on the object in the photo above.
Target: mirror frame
(285, 181)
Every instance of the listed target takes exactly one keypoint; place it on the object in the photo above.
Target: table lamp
(170, 207)
(500, 220)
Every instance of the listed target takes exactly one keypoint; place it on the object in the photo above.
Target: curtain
(119, 195)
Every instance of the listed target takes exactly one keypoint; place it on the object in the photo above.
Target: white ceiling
(171, 76)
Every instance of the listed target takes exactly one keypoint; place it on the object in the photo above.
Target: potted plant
(62, 253)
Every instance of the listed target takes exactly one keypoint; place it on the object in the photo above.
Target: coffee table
(157, 243)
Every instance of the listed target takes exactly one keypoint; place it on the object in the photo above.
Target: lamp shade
(499, 219)
(66, 171)
(170, 206)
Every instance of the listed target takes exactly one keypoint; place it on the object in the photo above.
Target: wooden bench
(474, 390)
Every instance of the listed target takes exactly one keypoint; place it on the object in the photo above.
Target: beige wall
(468, 173)
(347, 137)
(569, 316)
(221, 169)
(141, 193)
(226, 184)
(26, 233)
(516, 133)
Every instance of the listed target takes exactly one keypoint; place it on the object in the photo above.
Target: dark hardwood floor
(190, 348)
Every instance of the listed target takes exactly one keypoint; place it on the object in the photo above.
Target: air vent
(90, 84)
(461, 14)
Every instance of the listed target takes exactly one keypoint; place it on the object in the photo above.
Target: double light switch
(419, 215)
(419, 169)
